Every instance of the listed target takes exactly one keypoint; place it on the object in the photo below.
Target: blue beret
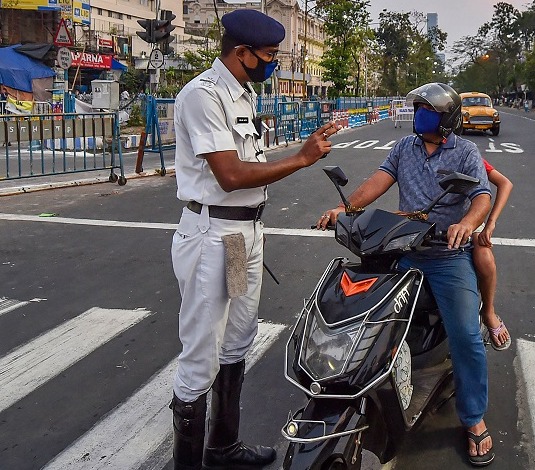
(253, 28)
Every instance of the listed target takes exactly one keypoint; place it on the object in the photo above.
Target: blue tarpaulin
(18, 70)
(116, 65)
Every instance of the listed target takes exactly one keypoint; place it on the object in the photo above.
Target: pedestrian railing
(159, 134)
(287, 122)
(53, 144)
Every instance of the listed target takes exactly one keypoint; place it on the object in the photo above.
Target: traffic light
(163, 27)
(148, 34)
(158, 31)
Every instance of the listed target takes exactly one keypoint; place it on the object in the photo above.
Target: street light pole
(304, 64)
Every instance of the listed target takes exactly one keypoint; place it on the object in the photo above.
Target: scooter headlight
(326, 354)
(401, 243)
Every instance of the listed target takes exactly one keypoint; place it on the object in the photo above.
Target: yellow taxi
(478, 113)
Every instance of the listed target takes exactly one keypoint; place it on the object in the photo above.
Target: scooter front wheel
(352, 460)
(329, 437)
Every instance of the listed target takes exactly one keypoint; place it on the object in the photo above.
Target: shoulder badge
(207, 82)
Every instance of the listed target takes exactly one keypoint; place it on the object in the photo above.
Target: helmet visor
(432, 94)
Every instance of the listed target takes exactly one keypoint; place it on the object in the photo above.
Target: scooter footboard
(317, 430)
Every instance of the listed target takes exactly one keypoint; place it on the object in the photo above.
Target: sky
(458, 18)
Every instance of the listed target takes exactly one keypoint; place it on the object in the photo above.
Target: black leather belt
(229, 212)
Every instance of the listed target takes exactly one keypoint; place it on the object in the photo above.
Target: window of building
(128, 17)
(110, 14)
(184, 9)
(99, 11)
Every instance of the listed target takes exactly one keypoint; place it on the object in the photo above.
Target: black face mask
(262, 71)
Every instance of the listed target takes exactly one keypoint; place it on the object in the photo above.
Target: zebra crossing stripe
(31, 365)
(131, 434)
(7, 305)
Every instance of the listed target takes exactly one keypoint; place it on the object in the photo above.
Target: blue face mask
(426, 121)
(270, 68)
(262, 71)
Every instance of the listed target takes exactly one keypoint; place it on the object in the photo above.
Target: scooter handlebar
(441, 238)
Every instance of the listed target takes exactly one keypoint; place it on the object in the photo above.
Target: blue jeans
(454, 285)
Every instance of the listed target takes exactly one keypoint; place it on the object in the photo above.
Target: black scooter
(369, 348)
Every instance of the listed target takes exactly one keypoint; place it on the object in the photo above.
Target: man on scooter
(417, 163)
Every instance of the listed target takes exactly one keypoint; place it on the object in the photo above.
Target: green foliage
(200, 61)
(408, 58)
(345, 25)
(133, 80)
(136, 118)
(489, 61)
(168, 91)
(529, 70)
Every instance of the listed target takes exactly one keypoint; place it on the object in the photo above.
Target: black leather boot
(189, 419)
(223, 449)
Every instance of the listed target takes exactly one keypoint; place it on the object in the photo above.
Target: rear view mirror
(453, 182)
(336, 175)
(458, 183)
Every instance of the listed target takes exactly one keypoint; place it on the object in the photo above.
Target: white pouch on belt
(235, 264)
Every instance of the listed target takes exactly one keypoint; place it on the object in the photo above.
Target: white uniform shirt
(214, 113)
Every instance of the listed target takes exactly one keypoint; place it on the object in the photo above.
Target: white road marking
(8, 305)
(526, 242)
(128, 436)
(31, 365)
(526, 355)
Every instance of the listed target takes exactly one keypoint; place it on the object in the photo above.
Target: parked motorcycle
(369, 348)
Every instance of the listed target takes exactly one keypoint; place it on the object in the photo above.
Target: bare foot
(484, 446)
(491, 320)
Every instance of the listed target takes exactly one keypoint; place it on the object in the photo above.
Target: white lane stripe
(29, 366)
(128, 436)
(8, 305)
(526, 242)
(94, 222)
(526, 355)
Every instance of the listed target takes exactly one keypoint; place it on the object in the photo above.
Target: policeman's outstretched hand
(318, 144)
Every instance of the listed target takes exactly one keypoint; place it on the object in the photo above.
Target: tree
(133, 80)
(489, 60)
(408, 51)
(345, 21)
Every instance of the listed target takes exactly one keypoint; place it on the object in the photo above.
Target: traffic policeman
(217, 250)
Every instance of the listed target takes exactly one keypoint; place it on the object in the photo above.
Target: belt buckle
(259, 210)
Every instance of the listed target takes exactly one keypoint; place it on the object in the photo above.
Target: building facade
(299, 74)
(110, 27)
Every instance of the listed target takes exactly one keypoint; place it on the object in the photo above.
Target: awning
(116, 65)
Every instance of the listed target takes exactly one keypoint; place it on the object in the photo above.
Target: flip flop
(493, 336)
(480, 460)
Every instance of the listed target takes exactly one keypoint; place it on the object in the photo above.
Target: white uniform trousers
(213, 328)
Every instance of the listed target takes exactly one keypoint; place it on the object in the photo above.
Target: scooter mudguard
(326, 431)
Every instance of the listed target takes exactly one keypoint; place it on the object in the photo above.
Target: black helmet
(443, 99)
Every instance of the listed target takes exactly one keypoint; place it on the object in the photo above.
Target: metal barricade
(287, 125)
(400, 112)
(57, 143)
(326, 110)
(159, 130)
(42, 107)
(310, 117)
(268, 123)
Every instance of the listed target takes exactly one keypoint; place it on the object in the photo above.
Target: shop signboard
(91, 60)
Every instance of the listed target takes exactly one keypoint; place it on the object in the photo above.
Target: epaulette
(208, 81)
